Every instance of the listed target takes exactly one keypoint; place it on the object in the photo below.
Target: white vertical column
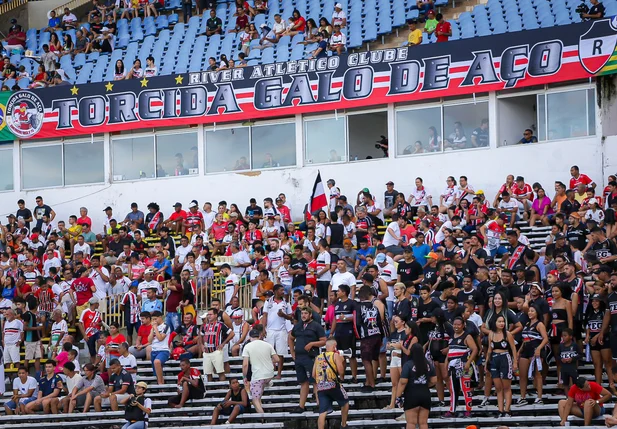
(107, 162)
(391, 132)
(492, 120)
(16, 166)
(299, 142)
(201, 149)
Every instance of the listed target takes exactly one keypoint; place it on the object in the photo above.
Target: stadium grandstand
(308, 214)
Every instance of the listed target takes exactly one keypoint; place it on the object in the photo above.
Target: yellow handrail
(71, 5)
(7, 7)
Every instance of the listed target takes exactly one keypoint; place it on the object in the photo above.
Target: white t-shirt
(230, 283)
(71, 382)
(22, 388)
(337, 17)
(129, 362)
(260, 356)
(278, 27)
(376, 206)
(387, 273)
(209, 219)
(334, 194)
(85, 249)
(160, 346)
(388, 240)
(51, 262)
(143, 287)
(323, 261)
(345, 278)
(440, 236)
(449, 194)
(512, 204)
(181, 253)
(463, 194)
(240, 257)
(285, 278)
(102, 287)
(12, 331)
(276, 259)
(339, 39)
(271, 308)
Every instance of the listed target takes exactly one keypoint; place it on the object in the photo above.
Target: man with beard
(369, 321)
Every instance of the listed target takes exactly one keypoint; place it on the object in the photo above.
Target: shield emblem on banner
(596, 46)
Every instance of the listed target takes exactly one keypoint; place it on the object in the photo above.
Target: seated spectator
(456, 139)
(69, 20)
(159, 340)
(104, 43)
(212, 65)
(479, 136)
(310, 32)
(129, 9)
(223, 64)
(528, 137)
(541, 209)
(53, 23)
(298, 24)
(142, 349)
(15, 40)
(25, 390)
(415, 35)
(190, 385)
(214, 25)
(8, 70)
(136, 72)
(81, 43)
(596, 11)
(138, 408)
(339, 17)
(259, 6)
(268, 38)
(236, 402)
(324, 25)
(68, 46)
(149, 8)
(338, 41)
(242, 20)
(586, 399)
(70, 388)
(322, 46)
(245, 37)
(89, 387)
(424, 6)
(279, 26)
(50, 386)
(120, 388)
(119, 73)
(40, 78)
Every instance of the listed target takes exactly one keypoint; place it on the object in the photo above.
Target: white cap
(149, 271)
(338, 6)
(93, 300)
(593, 201)
(203, 315)
(105, 29)
(192, 204)
(263, 24)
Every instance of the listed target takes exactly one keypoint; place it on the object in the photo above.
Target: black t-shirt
(471, 264)
(481, 137)
(409, 271)
(337, 234)
(488, 290)
(474, 295)
(122, 379)
(511, 291)
(26, 214)
(214, 23)
(117, 248)
(299, 279)
(604, 250)
(389, 198)
(307, 333)
(612, 307)
(251, 212)
(96, 27)
(424, 310)
(569, 352)
(39, 212)
(597, 8)
(29, 320)
(542, 306)
(568, 207)
(430, 274)
(577, 236)
(172, 246)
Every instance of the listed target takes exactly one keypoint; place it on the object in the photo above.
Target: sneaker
(441, 404)
(539, 401)
(448, 415)
(400, 418)
(297, 410)
(367, 389)
(484, 403)
(522, 402)
(507, 414)
(466, 414)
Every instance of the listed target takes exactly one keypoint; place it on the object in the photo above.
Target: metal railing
(71, 5)
(13, 4)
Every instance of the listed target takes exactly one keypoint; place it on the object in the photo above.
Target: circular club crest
(24, 114)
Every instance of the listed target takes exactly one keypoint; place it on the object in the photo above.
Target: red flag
(318, 200)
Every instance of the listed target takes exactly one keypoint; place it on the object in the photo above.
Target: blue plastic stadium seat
(173, 19)
(267, 56)
(9, 82)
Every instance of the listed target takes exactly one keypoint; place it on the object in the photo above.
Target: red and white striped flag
(318, 200)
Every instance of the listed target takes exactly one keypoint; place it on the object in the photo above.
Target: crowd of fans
(438, 292)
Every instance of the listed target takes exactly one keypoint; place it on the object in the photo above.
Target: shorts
(132, 327)
(81, 399)
(304, 368)
(499, 251)
(33, 350)
(25, 401)
(11, 354)
(346, 341)
(501, 366)
(599, 347)
(568, 377)
(162, 356)
(421, 398)
(369, 348)
(105, 401)
(529, 349)
(438, 357)
(395, 250)
(257, 387)
(226, 352)
(278, 340)
(613, 342)
(395, 361)
(228, 410)
(81, 308)
(213, 363)
(602, 410)
(328, 397)
(322, 289)
(555, 332)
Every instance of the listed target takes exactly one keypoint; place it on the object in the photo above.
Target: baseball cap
(11, 216)
(93, 300)
(407, 249)
(575, 215)
(365, 190)
(479, 192)
(503, 217)
(538, 286)
(141, 384)
(105, 29)
(192, 204)
(380, 258)
(560, 236)
(390, 183)
(554, 273)
(178, 205)
(149, 271)
(597, 297)
(34, 236)
(107, 208)
(254, 333)
(432, 255)
(338, 5)
(431, 12)
(203, 315)
(593, 201)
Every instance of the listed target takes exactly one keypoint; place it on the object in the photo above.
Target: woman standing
(532, 355)
(437, 346)
(503, 362)
(395, 346)
(462, 352)
(561, 315)
(417, 376)
(598, 344)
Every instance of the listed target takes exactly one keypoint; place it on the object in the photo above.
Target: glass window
(84, 163)
(591, 111)
(325, 140)
(515, 115)
(41, 166)
(418, 131)
(465, 126)
(6, 167)
(566, 114)
(273, 146)
(227, 149)
(541, 117)
(133, 158)
(365, 131)
(176, 154)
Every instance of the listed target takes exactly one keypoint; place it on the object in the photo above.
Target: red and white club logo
(24, 114)
(596, 46)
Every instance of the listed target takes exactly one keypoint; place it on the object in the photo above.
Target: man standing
(369, 320)
(342, 277)
(90, 326)
(343, 326)
(261, 356)
(100, 278)
(328, 372)
(232, 282)
(213, 338)
(276, 313)
(334, 192)
(13, 336)
(304, 342)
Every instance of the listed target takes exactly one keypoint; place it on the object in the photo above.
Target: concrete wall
(20, 13)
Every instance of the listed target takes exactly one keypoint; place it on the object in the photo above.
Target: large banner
(495, 63)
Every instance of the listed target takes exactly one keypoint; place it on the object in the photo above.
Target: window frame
(339, 117)
(357, 112)
(113, 139)
(41, 144)
(6, 148)
(173, 133)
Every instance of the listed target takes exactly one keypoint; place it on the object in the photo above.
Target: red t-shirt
(193, 374)
(219, 230)
(143, 333)
(91, 321)
(525, 190)
(443, 27)
(581, 396)
(114, 343)
(193, 219)
(285, 213)
(301, 24)
(582, 178)
(175, 216)
(85, 220)
(242, 22)
(251, 236)
(82, 287)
